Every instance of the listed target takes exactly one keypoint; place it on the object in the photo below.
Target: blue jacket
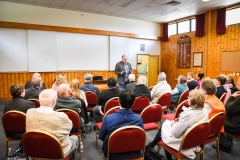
(90, 87)
(123, 117)
(181, 88)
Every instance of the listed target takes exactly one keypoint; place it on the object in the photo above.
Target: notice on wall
(184, 52)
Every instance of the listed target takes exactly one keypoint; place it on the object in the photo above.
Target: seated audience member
(161, 88)
(212, 104)
(220, 80)
(123, 117)
(76, 92)
(171, 132)
(141, 89)
(61, 78)
(18, 102)
(179, 89)
(232, 121)
(191, 83)
(35, 90)
(199, 78)
(88, 86)
(231, 84)
(105, 95)
(65, 100)
(57, 123)
(29, 83)
(132, 84)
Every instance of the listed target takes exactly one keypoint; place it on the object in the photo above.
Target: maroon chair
(195, 136)
(179, 109)
(140, 103)
(13, 122)
(74, 117)
(150, 88)
(151, 117)
(216, 123)
(41, 144)
(222, 98)
(183, 97)
(113, 102)
(99, 125)
(127, 139)
(92, 100)
(165, 100)
(35, 101)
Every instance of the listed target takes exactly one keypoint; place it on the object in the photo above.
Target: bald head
(48, 98)
(63, 90)
(142, 80)
(35, 75)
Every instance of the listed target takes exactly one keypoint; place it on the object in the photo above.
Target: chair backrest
(112, 110)
(41, 144)
(140, 103)
(195, 136)
(14, 121)
(152, 113)
(216, 123)
(127, 139)
(222, 98)
(180, 108)
(92, 98)
(35, 101)
(73, 116)
(184, 96)
(165, 99)
(113, 102)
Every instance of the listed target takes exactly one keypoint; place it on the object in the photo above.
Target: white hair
(142, 80)
(47, 97)
(63, 89)
(131, 77)
(162, 76)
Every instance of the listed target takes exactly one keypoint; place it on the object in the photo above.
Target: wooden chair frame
(222, 98)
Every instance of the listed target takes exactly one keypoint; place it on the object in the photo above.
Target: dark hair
(126, 98)
(16, 89)
(200, 75)
(222, 79)
(111, 82)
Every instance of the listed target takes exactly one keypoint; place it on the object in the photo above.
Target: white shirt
(45, 109)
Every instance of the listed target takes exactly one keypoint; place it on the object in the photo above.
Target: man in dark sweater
(35, 90)
(192, 84)
(141, 89)
(105, 95)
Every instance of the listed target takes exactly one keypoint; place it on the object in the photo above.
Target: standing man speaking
(122, 70)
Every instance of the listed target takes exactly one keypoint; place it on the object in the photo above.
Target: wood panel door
(153, 69)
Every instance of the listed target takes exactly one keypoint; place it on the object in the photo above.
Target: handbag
(151, 154)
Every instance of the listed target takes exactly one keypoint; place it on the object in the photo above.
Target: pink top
(199, 82)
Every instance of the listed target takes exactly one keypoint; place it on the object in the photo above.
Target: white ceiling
(146, 10)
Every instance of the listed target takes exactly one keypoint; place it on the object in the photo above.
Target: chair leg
(159, 147)
(202, 156)
(6, 147)
(218, 151)
(80, 153)
(96, 137)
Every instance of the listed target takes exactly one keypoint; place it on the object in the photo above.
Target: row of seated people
(112, 85)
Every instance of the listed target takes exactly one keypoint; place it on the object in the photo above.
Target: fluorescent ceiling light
(205, 0)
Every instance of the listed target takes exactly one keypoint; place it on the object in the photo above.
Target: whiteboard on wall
(13, 50)
(118, 47)
(42, 51)
(82, 51)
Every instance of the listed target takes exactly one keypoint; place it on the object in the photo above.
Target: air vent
(127, 3)
(172, 3)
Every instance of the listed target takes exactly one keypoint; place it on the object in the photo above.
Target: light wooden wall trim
(212, 45)
(6, 79)
(75, 30)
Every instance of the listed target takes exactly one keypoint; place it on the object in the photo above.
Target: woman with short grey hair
(179, 89)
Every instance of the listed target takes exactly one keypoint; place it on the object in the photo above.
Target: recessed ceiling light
(205, 0)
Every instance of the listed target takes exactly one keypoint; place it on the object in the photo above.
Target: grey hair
(182, 79)
(63, 89)
(124, 56)
(162, 76)
(88, 77)
(36, 81)
(47, 97)
(131, 77)
(142, 80)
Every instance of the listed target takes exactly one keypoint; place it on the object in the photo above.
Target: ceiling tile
(33, 1)
(99, 7)
(43, 2)
(73, 3)
(87, 5)
(111, 9)
(121, 12)
(59, 2)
